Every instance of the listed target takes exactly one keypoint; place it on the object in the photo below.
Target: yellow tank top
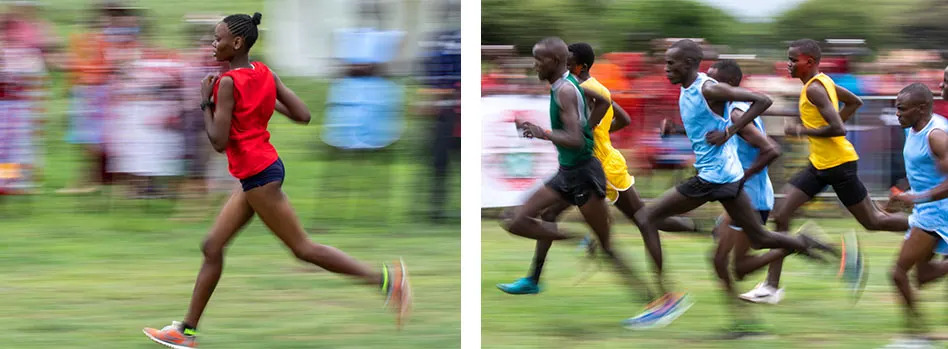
(602, 148)
(825, 152)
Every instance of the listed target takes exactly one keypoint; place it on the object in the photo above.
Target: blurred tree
(842, 19)
(924, 25)
(521, 23)
(608, 25)
(668, 18)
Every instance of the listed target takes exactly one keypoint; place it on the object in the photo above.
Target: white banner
(513, 166)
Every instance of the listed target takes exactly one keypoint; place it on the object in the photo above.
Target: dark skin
(683, 70)
(804, 67)
(550, 64)
(851, 102)
(628, 202)
(917, 250)
(268, 202)
(734, 240)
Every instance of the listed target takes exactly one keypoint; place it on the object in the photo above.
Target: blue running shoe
(521, 286)
(852, 266)
(586, 244)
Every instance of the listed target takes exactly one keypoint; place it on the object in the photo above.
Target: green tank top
(571, 156)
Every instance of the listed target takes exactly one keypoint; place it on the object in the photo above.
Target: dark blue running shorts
(274, 172)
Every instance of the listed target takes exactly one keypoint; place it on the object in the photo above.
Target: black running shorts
(844, 179)
(576, 184)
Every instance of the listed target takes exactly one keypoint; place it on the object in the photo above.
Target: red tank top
(248, 147)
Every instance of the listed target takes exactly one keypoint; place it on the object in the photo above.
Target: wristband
(548, 133)
(206, 104)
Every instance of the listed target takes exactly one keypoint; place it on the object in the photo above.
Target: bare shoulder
(815, 89)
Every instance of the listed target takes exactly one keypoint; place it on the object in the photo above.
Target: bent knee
(307, 250)
(898, 275)
(212, 251)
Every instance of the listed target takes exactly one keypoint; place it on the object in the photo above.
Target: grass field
(814, 314)
(87, 272)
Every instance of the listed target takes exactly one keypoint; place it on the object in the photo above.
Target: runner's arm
(571, 136)
(817, 95)
(725, 93)
(600, 105)
(768, 149)
(289, 104)
(851, 103)
(218, 118)
(620, 119)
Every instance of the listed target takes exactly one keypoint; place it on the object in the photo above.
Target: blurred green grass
(84, 271)
(815, 313)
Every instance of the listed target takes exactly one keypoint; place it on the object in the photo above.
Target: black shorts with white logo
(576, 184)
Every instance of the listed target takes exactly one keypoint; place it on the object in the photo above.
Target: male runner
(580, 180)
(926, 165)
(619, 189)
(832, 158)
(720, 175)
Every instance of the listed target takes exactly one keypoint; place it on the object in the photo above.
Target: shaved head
(689, 50)
(918, 94)
(550, 56)
(913, 106)
(554, 46)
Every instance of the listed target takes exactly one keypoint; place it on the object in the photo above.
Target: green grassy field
(814, 314)
(87, 272)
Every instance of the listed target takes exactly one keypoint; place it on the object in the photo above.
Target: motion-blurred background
(873, 48)
(108, 183)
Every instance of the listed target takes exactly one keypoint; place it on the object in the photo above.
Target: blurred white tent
(302, 34)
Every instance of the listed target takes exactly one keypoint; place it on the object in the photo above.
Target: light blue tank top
(758, 187)
(715, 164)
(923, 175)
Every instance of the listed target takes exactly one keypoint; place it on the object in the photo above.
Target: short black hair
(583, 53)
(730, 69)
(808, 47)
(690, 49)
(244, 26)
(919, 92)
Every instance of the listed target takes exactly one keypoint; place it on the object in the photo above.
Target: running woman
(237, 107)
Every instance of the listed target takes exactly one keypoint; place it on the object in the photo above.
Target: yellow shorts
(618, 178)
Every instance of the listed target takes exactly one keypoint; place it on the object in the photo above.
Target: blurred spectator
(197, 153)
(441, 75)
(363, 106)
(89, 74)
(24, 74)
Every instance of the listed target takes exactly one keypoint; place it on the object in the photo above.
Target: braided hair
(244, 26)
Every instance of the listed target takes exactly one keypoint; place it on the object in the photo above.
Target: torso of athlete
(715, 164)
(248, 147)
(569, 157)
(580, 175)
(923, 175)
(613, 162)
(825, 152)
(758, 187)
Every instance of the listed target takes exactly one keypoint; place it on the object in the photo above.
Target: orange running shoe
(399, 292)
(172, 336)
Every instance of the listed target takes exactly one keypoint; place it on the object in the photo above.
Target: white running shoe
(763, 293)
